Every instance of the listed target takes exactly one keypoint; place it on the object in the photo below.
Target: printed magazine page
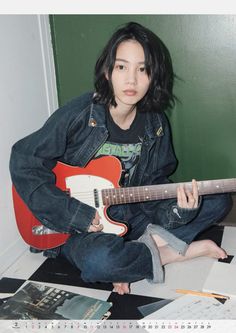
(36, 301)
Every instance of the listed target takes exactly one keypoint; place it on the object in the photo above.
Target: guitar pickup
(96, 198)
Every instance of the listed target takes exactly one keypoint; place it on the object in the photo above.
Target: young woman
(123, 117)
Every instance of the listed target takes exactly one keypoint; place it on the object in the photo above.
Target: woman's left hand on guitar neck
(188, 199)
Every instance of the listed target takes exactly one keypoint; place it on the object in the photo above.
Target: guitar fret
(219, 186)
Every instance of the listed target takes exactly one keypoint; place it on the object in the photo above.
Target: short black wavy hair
(158, 65)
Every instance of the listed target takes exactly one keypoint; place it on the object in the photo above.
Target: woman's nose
(131, 77)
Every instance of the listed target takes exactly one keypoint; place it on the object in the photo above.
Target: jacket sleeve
(31, 163)
(162, 164)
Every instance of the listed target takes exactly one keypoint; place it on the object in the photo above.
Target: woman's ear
(106, 75)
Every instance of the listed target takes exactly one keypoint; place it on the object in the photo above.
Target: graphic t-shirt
(124, 144)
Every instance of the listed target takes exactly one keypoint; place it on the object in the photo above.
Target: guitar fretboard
(165, 191)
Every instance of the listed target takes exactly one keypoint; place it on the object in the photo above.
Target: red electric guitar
(98, 185)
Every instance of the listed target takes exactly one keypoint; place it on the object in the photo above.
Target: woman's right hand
(95, 225)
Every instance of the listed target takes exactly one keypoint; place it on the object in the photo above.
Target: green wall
(203, 49)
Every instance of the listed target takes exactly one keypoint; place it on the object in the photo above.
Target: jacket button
(159, 132)
(92, 122)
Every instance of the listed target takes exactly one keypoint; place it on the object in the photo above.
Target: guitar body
(84, 184)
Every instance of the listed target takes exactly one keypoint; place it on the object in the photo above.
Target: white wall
(27, 97)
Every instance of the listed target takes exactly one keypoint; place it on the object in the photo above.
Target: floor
(58, 272)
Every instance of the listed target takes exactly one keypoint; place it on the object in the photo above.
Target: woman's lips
(130, 92)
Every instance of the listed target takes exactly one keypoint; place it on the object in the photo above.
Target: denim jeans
(110, 258)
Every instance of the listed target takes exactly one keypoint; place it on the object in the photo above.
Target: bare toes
(121, 288)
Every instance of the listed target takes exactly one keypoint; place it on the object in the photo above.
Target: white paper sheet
(221, 279)
(228, 241)
(190, 307)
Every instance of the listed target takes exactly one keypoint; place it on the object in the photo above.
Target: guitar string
(137, 195)
(161, 187)
(149, 189)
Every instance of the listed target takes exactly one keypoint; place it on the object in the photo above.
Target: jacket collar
(97, 118)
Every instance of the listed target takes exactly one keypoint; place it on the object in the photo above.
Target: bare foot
(206, 248)
(121, 288)
(202, 248)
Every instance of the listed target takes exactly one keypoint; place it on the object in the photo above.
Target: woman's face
(129, 77)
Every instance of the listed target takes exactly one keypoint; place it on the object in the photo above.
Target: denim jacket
(72, 135)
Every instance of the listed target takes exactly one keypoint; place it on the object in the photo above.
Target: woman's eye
(120, 67)
(142, 69)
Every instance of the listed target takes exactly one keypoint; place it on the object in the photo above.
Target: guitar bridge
(42, 230)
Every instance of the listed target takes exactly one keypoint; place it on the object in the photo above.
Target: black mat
(60, 271)
(10, 285)
(126, 306)
(214, 233)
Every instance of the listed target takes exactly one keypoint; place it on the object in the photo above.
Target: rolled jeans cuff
(157, 269)
(174, 242)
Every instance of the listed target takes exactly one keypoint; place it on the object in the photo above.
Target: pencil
(200, 293)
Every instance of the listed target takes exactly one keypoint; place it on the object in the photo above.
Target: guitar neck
(124, 195)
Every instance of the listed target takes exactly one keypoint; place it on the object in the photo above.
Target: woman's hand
(186, 198)
(95, 225)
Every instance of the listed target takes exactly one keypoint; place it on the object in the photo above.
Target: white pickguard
(82, 187)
